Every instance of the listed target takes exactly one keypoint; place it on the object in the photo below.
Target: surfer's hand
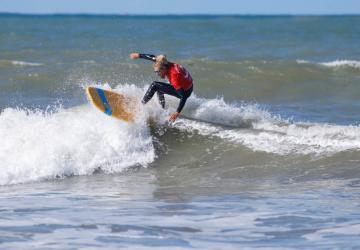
(174, 116)
(134, 56)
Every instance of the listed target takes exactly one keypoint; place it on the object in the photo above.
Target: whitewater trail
(260, 130)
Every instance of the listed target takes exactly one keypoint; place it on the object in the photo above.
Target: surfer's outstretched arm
(148, 57)
(143, 56)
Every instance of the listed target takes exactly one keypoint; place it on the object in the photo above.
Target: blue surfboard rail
(104, 101)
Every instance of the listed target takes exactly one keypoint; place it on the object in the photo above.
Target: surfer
(181, 83)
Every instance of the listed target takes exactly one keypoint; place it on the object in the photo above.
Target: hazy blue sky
(183, 7)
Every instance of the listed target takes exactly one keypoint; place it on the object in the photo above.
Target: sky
(182, 7)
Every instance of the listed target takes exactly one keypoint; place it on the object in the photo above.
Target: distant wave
(23, 63)
(256, 65)
(334, 64)
(19, 63)
(339, 63)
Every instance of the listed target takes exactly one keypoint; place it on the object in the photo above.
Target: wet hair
(160, 62)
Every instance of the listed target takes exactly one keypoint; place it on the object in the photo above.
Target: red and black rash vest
(179, 77)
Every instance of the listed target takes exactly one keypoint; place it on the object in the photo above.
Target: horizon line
(175, 14)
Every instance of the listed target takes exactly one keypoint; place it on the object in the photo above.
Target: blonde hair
(160, 61)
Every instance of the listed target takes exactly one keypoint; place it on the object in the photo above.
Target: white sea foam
(334, 64)
(37, 145)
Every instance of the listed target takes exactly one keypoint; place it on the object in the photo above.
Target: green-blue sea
(266, 153)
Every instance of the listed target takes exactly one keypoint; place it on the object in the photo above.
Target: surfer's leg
(166, 88)
(161, 98)
(162, 87)
(149, 93)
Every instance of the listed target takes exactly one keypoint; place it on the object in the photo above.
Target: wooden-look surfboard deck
(113, 104)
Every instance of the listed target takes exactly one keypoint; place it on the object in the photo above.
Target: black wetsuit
(164, 88)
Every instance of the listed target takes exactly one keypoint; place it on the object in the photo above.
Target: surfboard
(113, 104)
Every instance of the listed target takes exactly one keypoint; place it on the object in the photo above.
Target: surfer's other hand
(134, 56)
(174, 116)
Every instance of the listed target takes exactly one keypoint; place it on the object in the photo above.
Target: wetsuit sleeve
(148, 57)
(183, 99)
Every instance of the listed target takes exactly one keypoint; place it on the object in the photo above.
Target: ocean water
(265, 156)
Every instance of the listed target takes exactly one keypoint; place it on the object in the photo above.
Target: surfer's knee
(150, 92)
(154, 85)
